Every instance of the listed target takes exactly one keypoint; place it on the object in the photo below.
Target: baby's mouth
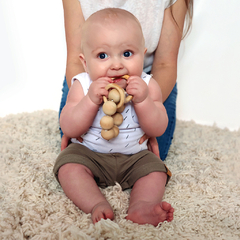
(119, 78)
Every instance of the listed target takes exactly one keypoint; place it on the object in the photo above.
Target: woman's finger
(64, 142)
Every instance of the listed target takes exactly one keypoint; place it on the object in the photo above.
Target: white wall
(33, 53)
(209, 65)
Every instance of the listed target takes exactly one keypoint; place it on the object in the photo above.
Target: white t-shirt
(127, 142)
(149, 13)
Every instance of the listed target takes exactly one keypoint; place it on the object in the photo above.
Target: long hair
(188, 17)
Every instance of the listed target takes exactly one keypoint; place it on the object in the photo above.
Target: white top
(127, 142)
(149, 13)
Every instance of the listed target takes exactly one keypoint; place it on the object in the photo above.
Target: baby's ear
(83, 61)
(145, 50)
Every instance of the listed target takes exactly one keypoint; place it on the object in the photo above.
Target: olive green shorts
(109, 168)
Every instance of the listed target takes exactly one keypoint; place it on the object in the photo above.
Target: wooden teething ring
(111, 110)
(121, 93)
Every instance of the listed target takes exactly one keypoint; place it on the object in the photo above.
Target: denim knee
(65, 90)
(165, 140)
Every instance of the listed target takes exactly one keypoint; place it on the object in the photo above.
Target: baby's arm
(79, 112)
(149, 108)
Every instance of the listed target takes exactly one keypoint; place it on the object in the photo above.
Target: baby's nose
(116, 65)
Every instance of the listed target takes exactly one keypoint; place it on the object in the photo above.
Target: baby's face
(113, 50)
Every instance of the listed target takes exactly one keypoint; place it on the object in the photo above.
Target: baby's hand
(137, 88)
(97, 90)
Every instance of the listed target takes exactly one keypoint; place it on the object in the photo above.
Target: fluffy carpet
(204, 189)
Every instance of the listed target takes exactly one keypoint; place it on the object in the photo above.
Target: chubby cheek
(96, 70)
(135, 66)
(136, 69)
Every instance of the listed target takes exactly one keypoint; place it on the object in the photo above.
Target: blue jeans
(165, 140)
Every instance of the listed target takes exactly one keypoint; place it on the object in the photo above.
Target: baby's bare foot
(151, 213)
(102, 210)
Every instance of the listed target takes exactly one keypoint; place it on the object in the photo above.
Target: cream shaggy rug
(204, 189)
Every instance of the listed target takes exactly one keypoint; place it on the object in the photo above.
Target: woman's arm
(73, 19)
(164, 67)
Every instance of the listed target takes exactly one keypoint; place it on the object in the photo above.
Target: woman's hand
(66, 140)
(152, 144)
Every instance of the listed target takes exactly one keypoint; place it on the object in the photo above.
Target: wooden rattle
(113, 107)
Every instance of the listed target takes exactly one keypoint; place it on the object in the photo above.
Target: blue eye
(102, 55)
(127, 54)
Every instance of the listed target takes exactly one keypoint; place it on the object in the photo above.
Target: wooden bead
(116, 131)
(117, 119)
(107, 134)
(114, 95)
(109, 108)
(106, 122)
(121, 109)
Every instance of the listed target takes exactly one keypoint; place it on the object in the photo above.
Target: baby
(112, 46)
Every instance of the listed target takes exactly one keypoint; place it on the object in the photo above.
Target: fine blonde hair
(111, 16)
(188, 17)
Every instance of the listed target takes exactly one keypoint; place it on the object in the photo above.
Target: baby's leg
(146, 204)
(79, 185)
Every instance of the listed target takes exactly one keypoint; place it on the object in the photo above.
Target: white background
(33, 53)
